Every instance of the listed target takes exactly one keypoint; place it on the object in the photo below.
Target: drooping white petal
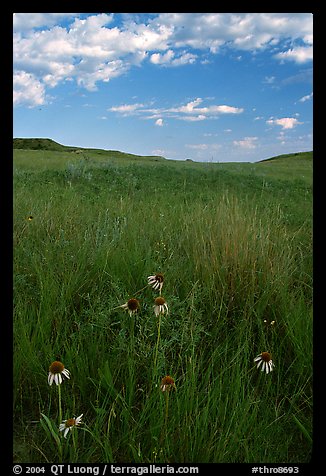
(50, 378)
(62, 426)
(66, 373)
(259, 363)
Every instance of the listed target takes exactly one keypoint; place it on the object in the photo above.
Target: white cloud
(269, 79)
(127, 109)
(306, 98)
(27, 90)
(300, 54)
(200, 117)
(27, 21)
(86, 50)
(187, 112)
(246, 142)
(160, 152)
(242, 31)
(57, 47)
(203, 146)
(192, 107)
(157, 58)
(284, 122)
(197, 146)
(170, 59)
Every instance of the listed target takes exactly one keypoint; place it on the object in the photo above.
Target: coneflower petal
(259, 364)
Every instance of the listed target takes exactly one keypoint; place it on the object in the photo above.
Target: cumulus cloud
(27, 21)
(284, 122)
(301, 54)
(57, 47)
(28, 90)
(158, 58)
(242, 31)
(170, 59)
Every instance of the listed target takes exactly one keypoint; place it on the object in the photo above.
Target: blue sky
(206, 86)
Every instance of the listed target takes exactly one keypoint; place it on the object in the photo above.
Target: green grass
(234, 244)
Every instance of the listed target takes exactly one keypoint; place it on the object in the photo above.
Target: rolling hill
(51, 145)
(297, 155)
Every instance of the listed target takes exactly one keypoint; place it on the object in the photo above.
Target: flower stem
(74, 435)
(60, 408)
(166, 416)
(158, 341)
(166, 409)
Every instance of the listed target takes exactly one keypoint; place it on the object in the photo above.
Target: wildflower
(156, 281)
(265, 361)
(56, 371)
(167, 383)
(132, 306)
(67, 425)
(30, 218)
(160, 306)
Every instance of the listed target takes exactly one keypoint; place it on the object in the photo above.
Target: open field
(233, 242)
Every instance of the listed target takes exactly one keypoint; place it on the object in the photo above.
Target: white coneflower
(160, 306)
(69, 424)
(156, 281)
(132, 306)
(265, 361)
(167, 383)
(56, 371)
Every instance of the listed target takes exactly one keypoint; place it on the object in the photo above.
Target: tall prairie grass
(235, 258)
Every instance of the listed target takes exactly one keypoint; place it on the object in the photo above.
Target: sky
(211, 87)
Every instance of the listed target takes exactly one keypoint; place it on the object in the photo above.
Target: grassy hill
(37, 144)
(233, 242)
(51, 145)
(286, 157)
